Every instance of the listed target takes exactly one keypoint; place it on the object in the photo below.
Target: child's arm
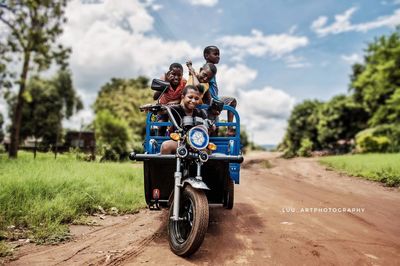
(164, 77)
(156, 95)
(192, 72)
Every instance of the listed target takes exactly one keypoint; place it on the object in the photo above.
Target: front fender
(195, 183)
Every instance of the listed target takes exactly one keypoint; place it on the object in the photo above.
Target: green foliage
(46, 104)
(302, 124)
(5, 250)
(340, 119)
(384, 168)
(305, 148)
(33, 26)
(369, 143)
(31, 30)
(383, 138)
(374, 101)
(41, 196)
(112, 135)
(376, 84)
(122, 98)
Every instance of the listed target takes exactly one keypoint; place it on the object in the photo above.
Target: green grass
(38, 198)
(384, 168)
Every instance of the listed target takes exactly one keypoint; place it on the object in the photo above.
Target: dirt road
(294, 213)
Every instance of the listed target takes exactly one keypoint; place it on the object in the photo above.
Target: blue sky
(274, 54)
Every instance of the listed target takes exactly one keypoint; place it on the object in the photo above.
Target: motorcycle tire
(229, 194)
(185, 236)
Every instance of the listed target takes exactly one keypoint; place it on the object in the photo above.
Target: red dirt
(281, 216)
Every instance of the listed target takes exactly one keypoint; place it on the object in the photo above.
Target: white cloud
(4, 112)
(352, 58)
(113, 39)
(263, 112)
(209, 3)
(82, 118)
(342, 23)
(390, 2)
(3, 107)
(232, 79)
(296, 61)
(151, 4)
(257, 44)
(157, 7)
(108, 40)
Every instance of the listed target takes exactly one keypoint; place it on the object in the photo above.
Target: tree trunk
(16, 123)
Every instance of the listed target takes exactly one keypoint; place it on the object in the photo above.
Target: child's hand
(190, 67)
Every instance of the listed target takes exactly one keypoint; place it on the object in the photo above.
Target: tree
(340, 119)
(302, 124)
(122, 98)
(33, 26)
(376, 84)
(49, 102)
(112, 135)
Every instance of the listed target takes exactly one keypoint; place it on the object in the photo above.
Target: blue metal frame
(229, 145)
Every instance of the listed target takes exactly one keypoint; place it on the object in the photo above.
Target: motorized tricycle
(201, 172)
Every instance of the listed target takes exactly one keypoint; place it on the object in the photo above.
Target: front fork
(177, 189)
(178, 186)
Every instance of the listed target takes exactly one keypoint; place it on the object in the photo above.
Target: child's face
(191, 99)
(174, 76)
(213, 56)
(205, 75)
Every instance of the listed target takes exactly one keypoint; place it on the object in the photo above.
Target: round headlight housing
(198, 137)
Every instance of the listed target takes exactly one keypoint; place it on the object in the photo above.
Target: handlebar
(216, 157)
(155, 108)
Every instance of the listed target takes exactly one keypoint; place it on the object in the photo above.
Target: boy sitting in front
(190, 98)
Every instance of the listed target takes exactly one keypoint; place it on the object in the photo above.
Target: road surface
(287, 212)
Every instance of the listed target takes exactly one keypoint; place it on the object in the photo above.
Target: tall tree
(122, 98)
(33, 27)
(112, 134)
(376, 84)
(49, 102)
(340, 118)
(302, 124)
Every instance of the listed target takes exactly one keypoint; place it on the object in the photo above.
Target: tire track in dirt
(262, 228)
(124, 236)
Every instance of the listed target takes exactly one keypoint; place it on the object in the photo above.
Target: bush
(109, 154)
(305, 148)
(383, 138)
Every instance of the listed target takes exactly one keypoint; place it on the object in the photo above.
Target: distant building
(84, 140)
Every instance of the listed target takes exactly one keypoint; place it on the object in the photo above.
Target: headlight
(198, 137)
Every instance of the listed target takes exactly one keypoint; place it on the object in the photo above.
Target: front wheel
(185, 236)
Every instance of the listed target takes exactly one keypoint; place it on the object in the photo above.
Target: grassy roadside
(38, 198)
(384, 168)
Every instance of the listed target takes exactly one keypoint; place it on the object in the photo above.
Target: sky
(274, 53)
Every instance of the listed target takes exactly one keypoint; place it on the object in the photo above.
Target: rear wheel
(229, 194)
(185, 236)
